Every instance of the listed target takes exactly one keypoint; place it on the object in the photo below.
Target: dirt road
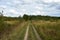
(37, 35)
(26, 34)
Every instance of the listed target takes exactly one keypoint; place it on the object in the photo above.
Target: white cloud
(30, 1)
(24, 10)
(16, 1)
(3, 6)
(9, 3)
(13, 11)
(56, 0)
(30, 7)
(39, 7)
(40, 13)
(49, 1)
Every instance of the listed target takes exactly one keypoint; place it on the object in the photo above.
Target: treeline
(39, 17)
(10, 18)
(29, 17)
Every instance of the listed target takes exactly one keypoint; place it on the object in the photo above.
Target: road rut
(37, 35)
(26, 34)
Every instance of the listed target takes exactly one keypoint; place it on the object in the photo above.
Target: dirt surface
(26, 34)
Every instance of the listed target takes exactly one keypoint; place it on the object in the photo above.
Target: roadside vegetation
(48, 30)
(48, 27)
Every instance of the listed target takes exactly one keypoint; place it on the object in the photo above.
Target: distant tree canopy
(25, 17)
(28, 17)
(39, 17)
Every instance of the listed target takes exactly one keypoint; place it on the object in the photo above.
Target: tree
(25, 17)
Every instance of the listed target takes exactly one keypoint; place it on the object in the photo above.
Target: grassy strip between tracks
(31, 34)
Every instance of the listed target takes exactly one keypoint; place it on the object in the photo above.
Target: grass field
(16, 32)
(16, 29)
(48, 30)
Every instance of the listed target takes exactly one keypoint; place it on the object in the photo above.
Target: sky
(17, 8)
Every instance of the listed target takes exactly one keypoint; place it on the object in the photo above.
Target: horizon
(15, 8)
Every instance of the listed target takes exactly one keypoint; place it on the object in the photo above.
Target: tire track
(37, 35)
(26, 34)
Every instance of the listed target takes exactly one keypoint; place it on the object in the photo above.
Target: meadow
(14, 28)
(48, 30)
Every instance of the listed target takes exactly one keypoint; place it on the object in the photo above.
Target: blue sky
(30, 7)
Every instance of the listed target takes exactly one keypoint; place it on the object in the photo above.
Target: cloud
(3, 6)
(49, 1)
(30, 7)
(29, 1)
(12, 11)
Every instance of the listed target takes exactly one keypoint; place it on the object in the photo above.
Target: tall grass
(48, 30)
(7, 26)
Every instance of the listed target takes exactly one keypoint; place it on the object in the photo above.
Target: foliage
(25, 17)
(39, 17)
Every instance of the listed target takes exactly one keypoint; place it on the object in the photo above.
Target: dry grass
(48, 30)
(15, 30)
(11, 22)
